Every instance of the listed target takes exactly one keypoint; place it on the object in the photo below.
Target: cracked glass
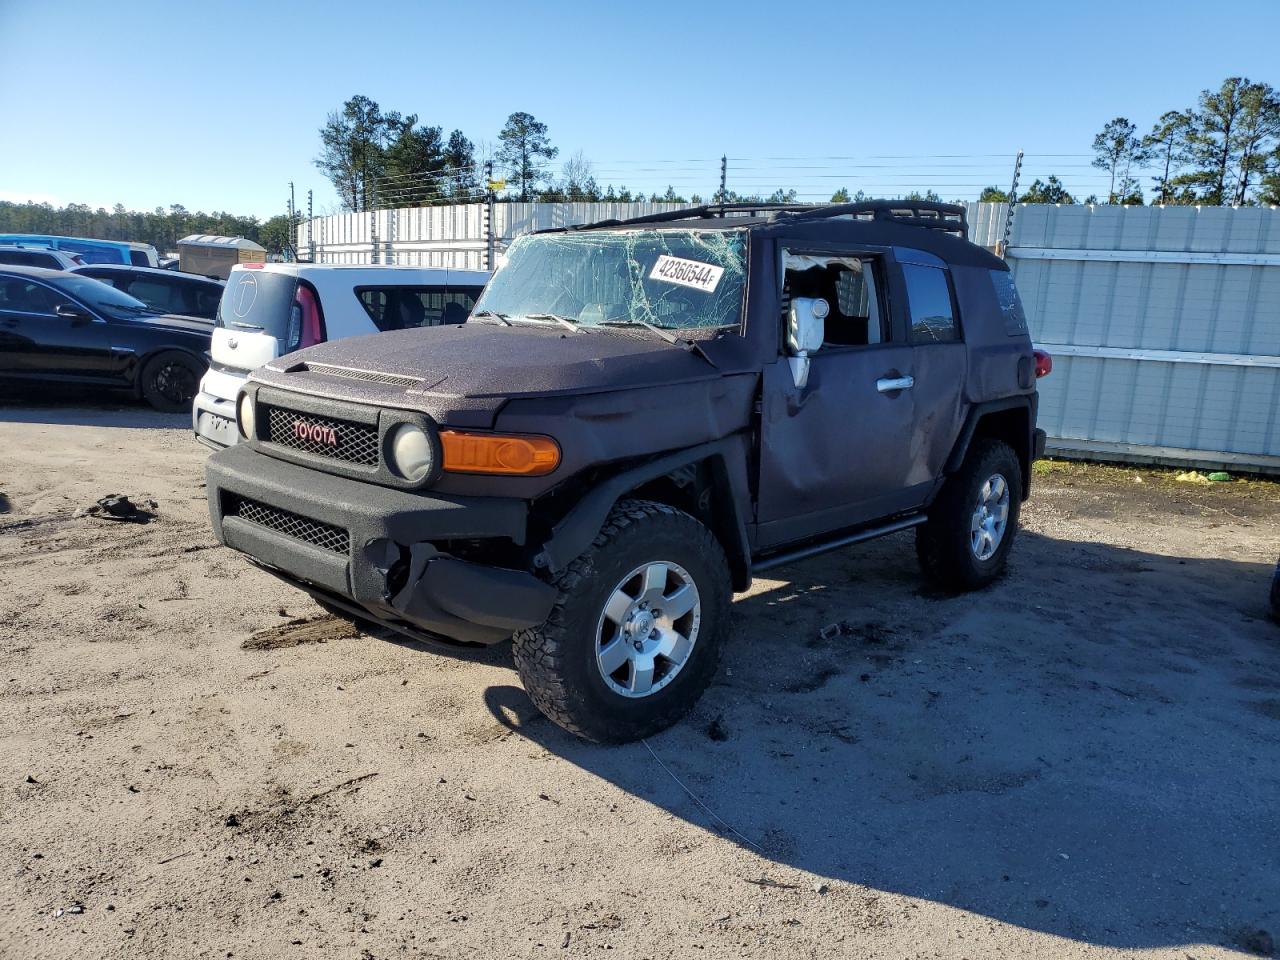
(671, 279)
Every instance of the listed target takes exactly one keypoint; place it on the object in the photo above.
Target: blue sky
(217, 104)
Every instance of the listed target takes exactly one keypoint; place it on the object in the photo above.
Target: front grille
(390, 379)
(322, 535)
(355, 442)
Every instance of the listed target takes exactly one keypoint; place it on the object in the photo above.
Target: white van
(270, 309)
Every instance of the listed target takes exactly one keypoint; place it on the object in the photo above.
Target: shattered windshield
(670, 279)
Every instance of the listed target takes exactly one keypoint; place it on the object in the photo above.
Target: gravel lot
(1080, 761)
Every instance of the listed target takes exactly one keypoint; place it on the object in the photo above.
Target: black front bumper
(374, 545)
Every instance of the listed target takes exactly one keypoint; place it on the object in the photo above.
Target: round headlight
(411, 452)
(248, 428)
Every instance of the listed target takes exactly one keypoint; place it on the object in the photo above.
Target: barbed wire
(814, 178)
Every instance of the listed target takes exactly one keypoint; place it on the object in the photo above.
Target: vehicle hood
(479, 365)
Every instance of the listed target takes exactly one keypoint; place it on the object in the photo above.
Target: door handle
(890, 384)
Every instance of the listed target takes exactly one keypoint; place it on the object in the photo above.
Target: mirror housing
(71, 312)
(806, 328)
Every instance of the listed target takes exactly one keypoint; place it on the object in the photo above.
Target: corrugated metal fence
(1164, 322)
(455, 235)
(447, 235)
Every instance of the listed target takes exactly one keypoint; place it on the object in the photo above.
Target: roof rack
(946, 217)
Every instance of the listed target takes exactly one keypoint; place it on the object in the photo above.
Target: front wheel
(634, 639)
(170, 380)
(966, 541)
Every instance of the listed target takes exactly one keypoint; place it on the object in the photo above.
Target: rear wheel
(170, 380)
(966, 541)
(634, 639)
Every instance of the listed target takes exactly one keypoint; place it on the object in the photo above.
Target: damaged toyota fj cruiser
(638, 416)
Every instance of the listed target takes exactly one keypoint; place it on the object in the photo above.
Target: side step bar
(826, 546)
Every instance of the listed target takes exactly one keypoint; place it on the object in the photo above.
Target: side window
(205, 300)
(138, 258)
(457, 303)
(404, 308)
(111, 280)
(23, 296)
(374, 301)
(23, 258)
(848, 284)
(933, 317)
(1015, 319)
(159, 295)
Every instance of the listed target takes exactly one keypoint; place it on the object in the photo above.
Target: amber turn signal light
(517, 456)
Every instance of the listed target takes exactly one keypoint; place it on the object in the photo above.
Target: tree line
(1223, 151)
(160, 227)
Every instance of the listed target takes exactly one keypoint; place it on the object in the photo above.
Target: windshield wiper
(666, 335)
(485, 314)
(563, 321)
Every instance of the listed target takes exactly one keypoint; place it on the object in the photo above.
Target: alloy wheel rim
(990, 517)
(648, 628)
(175, 382)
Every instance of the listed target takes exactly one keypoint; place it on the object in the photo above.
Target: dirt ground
(1081, 761)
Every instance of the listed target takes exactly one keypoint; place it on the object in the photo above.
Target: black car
(636, 418)
(59, 326)
(165, 290)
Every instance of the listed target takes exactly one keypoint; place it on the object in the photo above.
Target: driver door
(36, 342)
(836, 452)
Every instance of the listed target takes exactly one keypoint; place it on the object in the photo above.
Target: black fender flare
(976, 412)
(575, 531)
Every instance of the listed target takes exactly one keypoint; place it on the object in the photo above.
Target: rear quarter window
(933, 315)
(1015, 318)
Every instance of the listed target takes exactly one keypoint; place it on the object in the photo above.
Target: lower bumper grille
(322, 535)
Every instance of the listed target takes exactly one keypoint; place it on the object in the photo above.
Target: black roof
(938, 228)
(128, 268)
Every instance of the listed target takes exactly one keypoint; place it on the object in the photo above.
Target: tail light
(1044, 363)
(305, 327)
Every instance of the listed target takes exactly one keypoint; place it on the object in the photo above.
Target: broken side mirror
(806, 326)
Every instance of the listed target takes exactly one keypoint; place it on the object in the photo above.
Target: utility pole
(1013, 198)
(311, 243)
(488, 215)
(724, 180)
(289, 220)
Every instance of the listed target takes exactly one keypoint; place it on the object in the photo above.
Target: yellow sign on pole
(496, 185)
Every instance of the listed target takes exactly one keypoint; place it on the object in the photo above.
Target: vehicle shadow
(71, 406)
(1089, 748)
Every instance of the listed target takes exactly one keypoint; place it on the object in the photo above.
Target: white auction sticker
(687, 273)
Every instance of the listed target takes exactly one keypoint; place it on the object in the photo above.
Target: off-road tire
(556, 661)
(181, 371)
(943, 544)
